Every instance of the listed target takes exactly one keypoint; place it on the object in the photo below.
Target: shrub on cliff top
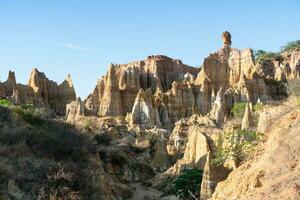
(291, 45)
(261, 55)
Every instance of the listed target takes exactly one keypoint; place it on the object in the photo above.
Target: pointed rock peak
(189, 77)
(213, 95)
(11, 77)
(36, 73)
(174, 84)
(69, 81)
(35, 70)
(78, 99)
(111, 65)
(247, 119)
(140, 94)
(158, 91)
(226, 37)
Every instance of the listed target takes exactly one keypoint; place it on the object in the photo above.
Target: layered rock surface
(39, 91)
(117, 93)
(177, 91)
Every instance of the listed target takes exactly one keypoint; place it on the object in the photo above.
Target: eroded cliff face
(39, 91)
(117, 93)
(273, 171)
(177, 91)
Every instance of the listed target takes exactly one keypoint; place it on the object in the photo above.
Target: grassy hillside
(42, 158)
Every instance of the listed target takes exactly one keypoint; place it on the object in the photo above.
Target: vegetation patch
(188, 183)
(5, 102)
(235, 145)
(238, 109)
(291, 46)
(261, 55)
(48, 161)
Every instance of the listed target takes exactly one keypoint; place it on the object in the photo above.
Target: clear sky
(82, 37)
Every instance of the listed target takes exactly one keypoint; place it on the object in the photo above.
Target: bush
(117, 158)
(59, 142)
(28, 115)
(103, 138)
(258, 107)
(261, 55)
(5, 102)
(4, 114)
(188, 182)
(291, 45)
(238, 109)
(238, 142)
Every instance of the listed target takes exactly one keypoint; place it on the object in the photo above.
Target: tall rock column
(217, 111)
(212, 174)
(111, 102)
(247, 119)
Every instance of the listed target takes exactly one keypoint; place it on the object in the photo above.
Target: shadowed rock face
(39, 91)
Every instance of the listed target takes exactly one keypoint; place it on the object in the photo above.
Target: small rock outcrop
(74, 110)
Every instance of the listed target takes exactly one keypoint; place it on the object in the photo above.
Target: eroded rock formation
(117, 93)
(212, 174)
(273, 170)
(39, 91)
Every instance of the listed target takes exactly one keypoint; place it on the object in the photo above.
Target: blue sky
(83, 37)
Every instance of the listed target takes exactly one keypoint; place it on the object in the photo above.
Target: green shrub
(187, 182)
(117, 158)
(88, 125)
(5, 102)
(28, 115)
(291, 45)
(258, 107)
(59, 142)
(238, 109)
(103, 138)
(261, 55)
(4, 114)
(239, 142)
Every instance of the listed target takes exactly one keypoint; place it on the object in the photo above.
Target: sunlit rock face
(117, 92)
(74, 110)
(39, 91)
(175, 90)
(235, 72)
(144, 111)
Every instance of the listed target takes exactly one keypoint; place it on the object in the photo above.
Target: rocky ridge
(39, 91)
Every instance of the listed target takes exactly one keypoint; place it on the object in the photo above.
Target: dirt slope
(273, 172)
